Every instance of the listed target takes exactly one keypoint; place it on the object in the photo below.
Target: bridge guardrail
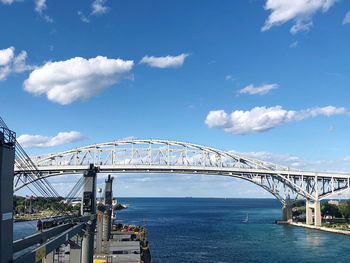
(40, 252)
(42, 237)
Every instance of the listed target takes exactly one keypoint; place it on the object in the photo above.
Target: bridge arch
(163, 156)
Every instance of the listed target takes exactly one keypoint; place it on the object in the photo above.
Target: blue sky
(269, 79)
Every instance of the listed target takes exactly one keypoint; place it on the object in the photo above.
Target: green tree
(298, 203)
(20, 208)
(345, 209)
(330, 209)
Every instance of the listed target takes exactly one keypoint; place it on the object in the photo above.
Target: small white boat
(246, 219)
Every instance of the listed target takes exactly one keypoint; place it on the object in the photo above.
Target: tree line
(40, 204)
(336, 211)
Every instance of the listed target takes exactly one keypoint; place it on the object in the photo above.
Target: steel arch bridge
(162, 156)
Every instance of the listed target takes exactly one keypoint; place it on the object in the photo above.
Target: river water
(212, 230)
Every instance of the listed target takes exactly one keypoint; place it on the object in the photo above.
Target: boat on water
(246, 219)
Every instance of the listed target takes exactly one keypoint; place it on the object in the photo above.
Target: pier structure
(287, 212)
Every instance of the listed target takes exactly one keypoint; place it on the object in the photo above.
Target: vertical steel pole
(88, 208)
(7, 157)
(107, 222)
(99, 232)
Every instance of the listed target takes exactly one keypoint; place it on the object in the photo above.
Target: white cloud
(78, 78)
(4, 72)
(299, 27)
(165, 62)
(98, 7)
(294, 44)
(47, 18)
(261, 90)
(9, 2)
(10, 63)
(299, 11)
(298, 162)
(346, 158)
(19, 63)
(324, 165)
(6, 55)
(83, 17)
(39, 141)
(229, 77)
(282, 159)
(346, 18)
(260, 119)
(40, 6)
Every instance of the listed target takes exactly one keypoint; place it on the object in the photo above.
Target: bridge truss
(162, 156)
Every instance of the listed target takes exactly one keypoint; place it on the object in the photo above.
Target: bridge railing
(48, 240)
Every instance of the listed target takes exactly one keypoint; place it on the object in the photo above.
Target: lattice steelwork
(161, 156)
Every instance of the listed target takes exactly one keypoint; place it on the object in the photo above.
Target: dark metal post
(107, 223)
(88, 208)
(7, 157)
(99, 232)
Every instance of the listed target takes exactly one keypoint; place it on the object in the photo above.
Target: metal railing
(7, 136)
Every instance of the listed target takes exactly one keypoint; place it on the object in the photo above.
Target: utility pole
(107, 222)
(88, 208)
(7, 159)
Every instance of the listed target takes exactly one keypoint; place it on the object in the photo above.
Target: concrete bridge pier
(308, 213)
(287, 213)
(316, 206)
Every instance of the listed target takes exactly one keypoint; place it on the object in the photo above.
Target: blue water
(211, 230)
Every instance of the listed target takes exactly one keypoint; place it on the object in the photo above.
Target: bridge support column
(287, 213)
(308, 212)
(88, 208)
(7, 157)
(316, 219)
(317, 209)
(107, 221)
